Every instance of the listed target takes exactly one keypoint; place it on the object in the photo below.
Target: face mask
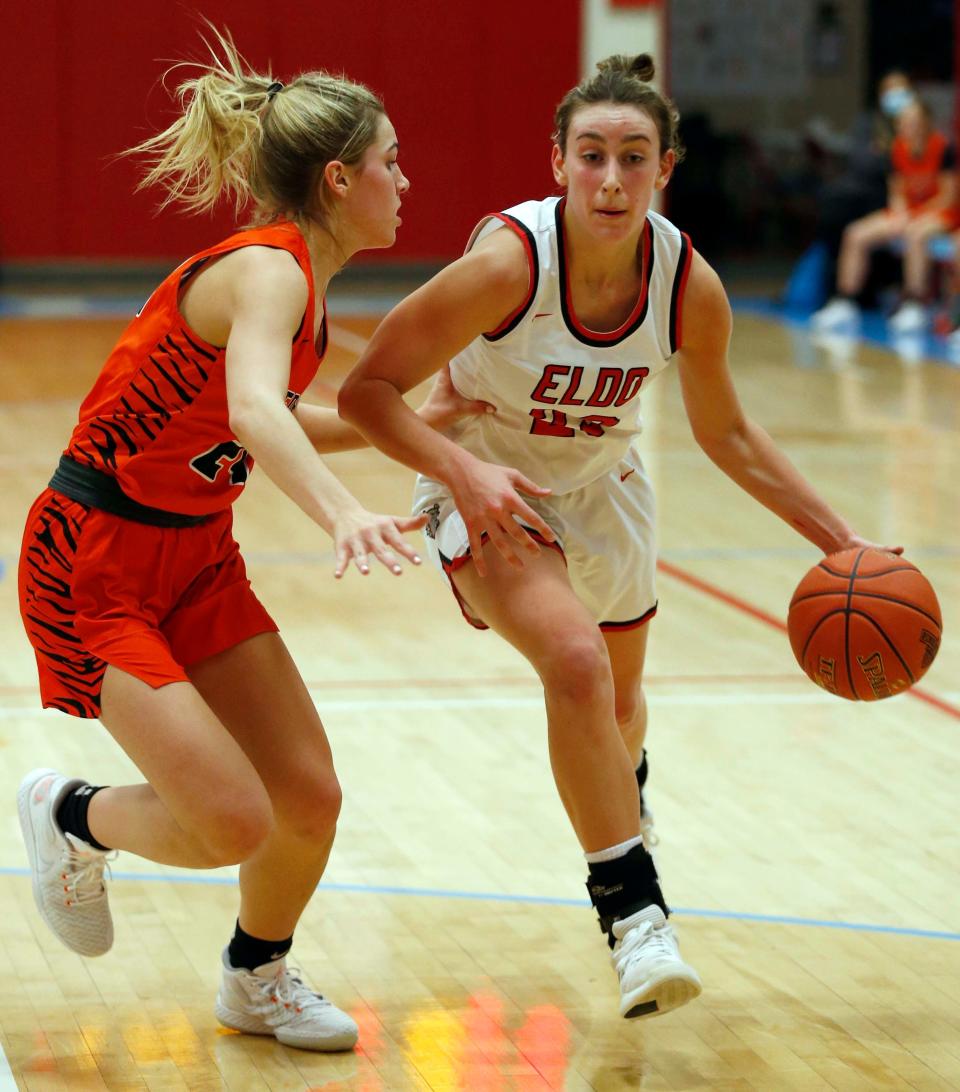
(894, 100)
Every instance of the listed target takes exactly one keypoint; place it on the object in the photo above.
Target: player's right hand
(359, 535)
(855, 542)
(488, 499)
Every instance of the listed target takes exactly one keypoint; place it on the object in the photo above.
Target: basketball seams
(846, 622)
(872, 595)
(813, 632)
(842, 592)
(825, 615)
(810, 637)
(869, 576)
(833, 572)
(893, 648)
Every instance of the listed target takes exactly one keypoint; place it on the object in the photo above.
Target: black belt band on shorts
(96, 489)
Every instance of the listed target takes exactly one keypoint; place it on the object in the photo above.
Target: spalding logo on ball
(864, 624)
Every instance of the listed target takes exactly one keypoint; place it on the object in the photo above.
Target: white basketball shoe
(653, 977)
(839, 314)
(68, 882)
(272, 1000)
(909, 318)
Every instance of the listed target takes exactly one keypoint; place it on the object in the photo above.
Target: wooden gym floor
(810, 846)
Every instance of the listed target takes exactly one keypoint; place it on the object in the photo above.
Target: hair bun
(641, 66)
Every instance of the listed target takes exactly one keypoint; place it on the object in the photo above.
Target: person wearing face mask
(921, 203)
(860, 187)
(895, 92)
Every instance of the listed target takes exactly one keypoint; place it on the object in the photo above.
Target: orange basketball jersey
(921, 173)
(157, 418)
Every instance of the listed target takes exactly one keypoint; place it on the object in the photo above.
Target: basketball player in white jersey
(559, 315)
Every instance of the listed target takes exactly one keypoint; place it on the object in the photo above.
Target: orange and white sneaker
(273, 1000)
(653, 977)
(68, 883)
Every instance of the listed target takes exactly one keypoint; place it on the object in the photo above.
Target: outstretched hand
(445, 405)
(358, 534)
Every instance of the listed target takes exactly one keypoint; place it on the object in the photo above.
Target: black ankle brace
(250, 952)
(71, 814)
(623, 886)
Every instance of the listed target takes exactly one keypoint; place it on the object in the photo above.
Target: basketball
(864, 624)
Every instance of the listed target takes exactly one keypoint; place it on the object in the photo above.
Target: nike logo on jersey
(543, 314)
(623, 477)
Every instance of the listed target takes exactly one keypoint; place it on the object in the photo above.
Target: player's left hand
(855, 542)
(359, 534)
(445, 405)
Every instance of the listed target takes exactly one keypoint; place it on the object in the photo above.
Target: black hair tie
(273, 89)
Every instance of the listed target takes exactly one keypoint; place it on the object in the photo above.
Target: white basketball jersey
(568, 398)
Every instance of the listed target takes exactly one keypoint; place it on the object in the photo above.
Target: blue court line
(537, 900)
(77, 305)
(873, 328)
(68, 305)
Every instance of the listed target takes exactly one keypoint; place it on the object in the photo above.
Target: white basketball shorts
(606, 532)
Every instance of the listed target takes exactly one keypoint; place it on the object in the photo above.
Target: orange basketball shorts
(97, 589)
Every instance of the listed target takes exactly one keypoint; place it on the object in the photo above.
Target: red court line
(718, 593)
(932, 699)
(763, 616)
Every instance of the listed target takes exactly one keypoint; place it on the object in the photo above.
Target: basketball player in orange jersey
(132, 588)
(559, 314)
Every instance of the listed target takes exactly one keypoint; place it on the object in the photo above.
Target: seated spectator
(921, 203)
(854, 166)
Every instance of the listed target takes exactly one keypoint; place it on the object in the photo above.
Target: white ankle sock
(613, 852)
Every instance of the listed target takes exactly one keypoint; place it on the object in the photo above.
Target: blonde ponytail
(245, 136)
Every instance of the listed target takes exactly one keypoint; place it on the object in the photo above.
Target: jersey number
(554, 423)
(228, 454)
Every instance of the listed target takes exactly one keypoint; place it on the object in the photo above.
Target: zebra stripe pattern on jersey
(47, 606)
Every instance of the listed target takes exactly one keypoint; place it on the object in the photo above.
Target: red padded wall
(470, 88)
